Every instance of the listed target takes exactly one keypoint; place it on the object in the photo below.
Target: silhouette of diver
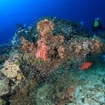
(97, 25)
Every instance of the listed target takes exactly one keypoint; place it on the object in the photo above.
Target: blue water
(29, 11)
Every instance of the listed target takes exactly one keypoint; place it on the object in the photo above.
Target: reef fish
(85, 65)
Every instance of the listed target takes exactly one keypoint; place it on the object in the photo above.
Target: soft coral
(42, 51)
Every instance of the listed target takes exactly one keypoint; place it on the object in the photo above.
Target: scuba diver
(97, 26)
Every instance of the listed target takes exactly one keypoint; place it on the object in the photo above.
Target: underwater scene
(52, 52)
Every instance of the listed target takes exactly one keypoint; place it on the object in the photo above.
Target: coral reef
(56, 51)
(44, 69)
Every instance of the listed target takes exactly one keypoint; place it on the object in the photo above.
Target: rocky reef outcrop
(50, 55)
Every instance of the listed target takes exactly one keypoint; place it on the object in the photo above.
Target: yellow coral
(12, 71)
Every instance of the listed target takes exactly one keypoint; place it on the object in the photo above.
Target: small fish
(85, 65)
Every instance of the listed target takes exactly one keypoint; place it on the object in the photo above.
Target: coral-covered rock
(55, 51)
(12, 71)
(50, 54)
(27, 46)
(4, 87)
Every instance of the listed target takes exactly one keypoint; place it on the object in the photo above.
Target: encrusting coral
(12, 71)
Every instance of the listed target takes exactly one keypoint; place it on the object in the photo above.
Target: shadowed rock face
(4, 53)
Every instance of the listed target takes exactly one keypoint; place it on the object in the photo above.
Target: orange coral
(42, 51)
